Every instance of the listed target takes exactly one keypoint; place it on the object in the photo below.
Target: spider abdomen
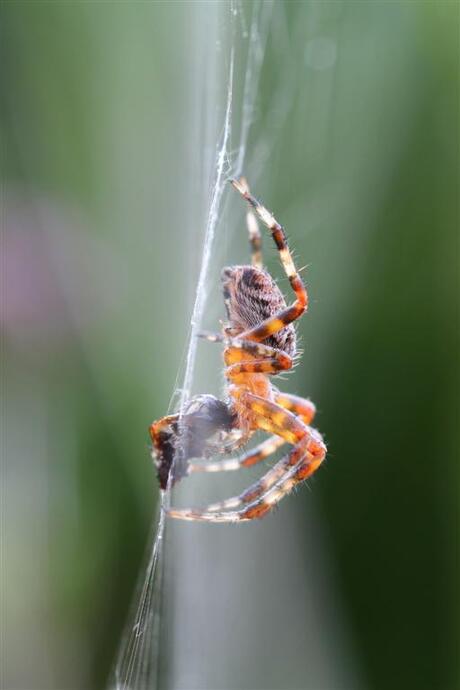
(251, 296)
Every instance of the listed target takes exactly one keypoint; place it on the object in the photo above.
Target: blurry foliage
(364, 175)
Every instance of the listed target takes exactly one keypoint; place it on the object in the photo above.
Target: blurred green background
(355, 145)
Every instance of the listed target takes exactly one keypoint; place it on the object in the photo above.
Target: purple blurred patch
(57, 276)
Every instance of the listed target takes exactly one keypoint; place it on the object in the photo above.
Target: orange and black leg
(255, 239)
(278, 472)
(252, 457)
(286, 316)
(249, 357)
(307, 454)
(302, 407)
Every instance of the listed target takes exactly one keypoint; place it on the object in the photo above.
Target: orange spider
(260, 341)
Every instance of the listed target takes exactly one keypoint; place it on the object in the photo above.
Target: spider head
(251, 296)
(186, 437)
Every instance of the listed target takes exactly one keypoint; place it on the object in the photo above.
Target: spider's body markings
(259, 342)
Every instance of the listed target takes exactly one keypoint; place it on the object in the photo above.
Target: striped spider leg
(260, 342)
(301, 407)
(306, 456)
(275, 322)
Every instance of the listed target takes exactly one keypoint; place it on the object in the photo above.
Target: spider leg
(302, 407)
(278, 321)
(252, 457)
(270, 478)
(306, 456)
(265, 494)
(306, 411)
(255, 239)
(237, 347)
(263, 359)
(223, 448)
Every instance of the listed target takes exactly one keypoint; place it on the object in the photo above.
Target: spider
(259, 341)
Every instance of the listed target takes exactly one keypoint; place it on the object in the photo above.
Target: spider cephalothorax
(259, 342)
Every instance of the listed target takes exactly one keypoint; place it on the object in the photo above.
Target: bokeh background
(110, 118)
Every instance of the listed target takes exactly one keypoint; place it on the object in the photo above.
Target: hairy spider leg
(282, 480)
(308, 453)
(305, 410)
(252, 457)
(286, 316)
(224, 447)
(240, 356)
(255, 239)
(273, 476)
(302, 407)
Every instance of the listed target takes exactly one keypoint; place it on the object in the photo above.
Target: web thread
(138, 662)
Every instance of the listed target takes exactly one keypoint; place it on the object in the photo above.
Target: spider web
(208, 596)
(139, 664)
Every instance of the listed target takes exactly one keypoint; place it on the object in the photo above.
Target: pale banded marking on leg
(255, 239)
(272, 224)
(243, 515)
(252, 457)
(223, 448)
